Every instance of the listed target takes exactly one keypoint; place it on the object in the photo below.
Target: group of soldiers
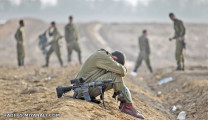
(144, 46)
(103, 64)
(71, 37)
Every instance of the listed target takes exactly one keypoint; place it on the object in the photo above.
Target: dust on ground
(31, 89)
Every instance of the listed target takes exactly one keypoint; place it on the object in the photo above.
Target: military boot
(178, 65)
(47, 63)
(69, 58)
(129, 109)
(19, 62)
(183, 66)
(150, 69)
(61, 90)
(23, 63)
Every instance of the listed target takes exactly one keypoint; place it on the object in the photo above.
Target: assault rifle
(79, 86)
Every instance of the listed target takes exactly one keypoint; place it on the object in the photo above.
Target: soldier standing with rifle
(19, 36)
(55, 46)
(71, 37)
(104, 65)
(180, 43)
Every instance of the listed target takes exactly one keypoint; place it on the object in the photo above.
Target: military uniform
(144, 53)
(100, 66)
(179, 32)
(19, 36)
(71, 37)
(55, 46)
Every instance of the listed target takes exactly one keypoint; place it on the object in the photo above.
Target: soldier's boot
(178, 65)
(23, 63)
(69, 58)
(47, 63)
(150, 69)
(129, 109)
(19, 62)
(183, 66)
(61, 90)
(61, 63)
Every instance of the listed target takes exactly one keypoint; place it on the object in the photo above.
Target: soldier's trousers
(94, 92)
(179, 54)
(20, 54)
(55, 48)
(74, 46)
(141, 57)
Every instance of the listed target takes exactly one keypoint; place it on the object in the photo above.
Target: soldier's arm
(16, 35)
(106, 62)
(140, 44)
(21, 35)
(148, 47)
(182, 29)
(66, 31)
(76, 33)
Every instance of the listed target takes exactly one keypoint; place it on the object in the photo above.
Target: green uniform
(71, 37)
(19, 36)
(179, 32)
(144, 53)
(55, 46)
(100, 66)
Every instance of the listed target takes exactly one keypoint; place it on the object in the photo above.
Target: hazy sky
(105, 10)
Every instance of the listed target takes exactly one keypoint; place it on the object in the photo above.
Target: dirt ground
(31, 89)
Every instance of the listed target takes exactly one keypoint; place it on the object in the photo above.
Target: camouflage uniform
(144, 53)
(100, 66)
(19, 36)
(71, 37)
(179, 32)
(55, 46)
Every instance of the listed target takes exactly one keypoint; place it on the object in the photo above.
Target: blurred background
(105, 10)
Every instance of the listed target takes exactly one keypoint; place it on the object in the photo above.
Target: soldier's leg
(58, 53)
(50, 51)
(182, 61)
(23, 56)
(69, 50)
(138, 62)
(78, 50)
(178, 52)
(147, 60)
(20, 54)
(122, 91)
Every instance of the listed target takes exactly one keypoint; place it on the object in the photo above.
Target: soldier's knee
(125, 95)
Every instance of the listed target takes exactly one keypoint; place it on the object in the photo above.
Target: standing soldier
(144, 53)
(55, 46)
(71, 37)
(19, 36)
(180, 44)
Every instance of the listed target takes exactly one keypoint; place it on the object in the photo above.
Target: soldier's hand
(68, 44)
(181, 39)
(19, 42)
